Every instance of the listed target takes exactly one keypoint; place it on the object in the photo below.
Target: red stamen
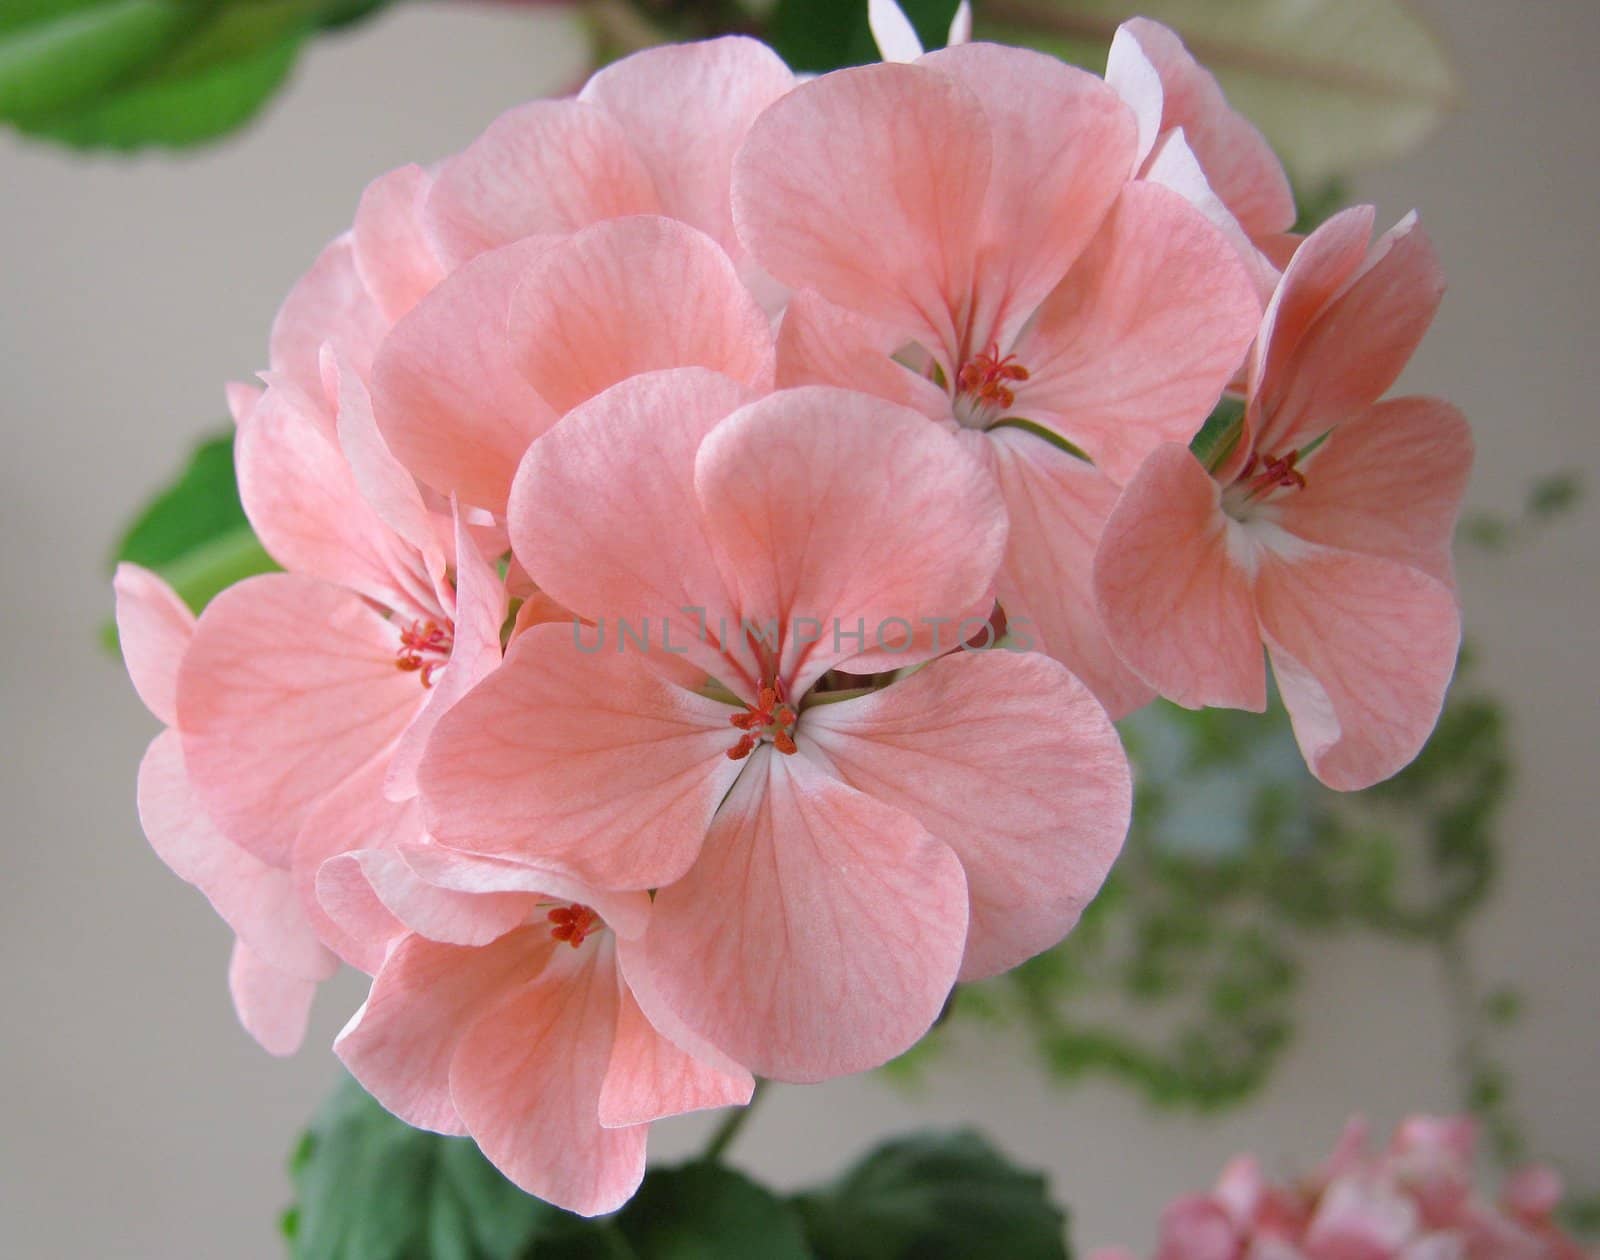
(768, 716)
(1264, 474)
(573, 923)
(424, 647)
(988, 377)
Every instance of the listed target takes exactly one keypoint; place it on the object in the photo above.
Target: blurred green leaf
(1334, 84)
(934, 1197)
(124, 74)
(706, 1211)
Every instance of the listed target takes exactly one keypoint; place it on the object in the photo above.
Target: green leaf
(369, 1185)
(194, 533)
(1334, 84)
(818, 35)
(934, 1197)
(1219, 435)
(124, 74)
(706, 1211)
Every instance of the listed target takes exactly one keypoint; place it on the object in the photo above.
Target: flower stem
(730, 1126)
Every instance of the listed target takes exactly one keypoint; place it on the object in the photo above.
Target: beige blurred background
(137, 1120)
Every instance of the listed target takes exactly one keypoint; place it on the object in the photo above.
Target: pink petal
(1363, 649)
(686, 109)
(400, 1043)
(449, 399)
(545, 168)
(360, 924)
(892, 31)
(154, 627)
(453, 918)
(868, 186)
(1358, 344)
(305, 505)
(1011, 762)
(353, 815)
(1238, 161)
(818, 934)
(288, 689)
(649, 1078)
(393, 254)
(1058, 507)
(591, 311)
(1174, 594)
(1062, 145)
(256, 900)
(823, 344)
(590, 763)
(1196, 1228)
(273, 1005)
(328, 304)
(1387, 483)
(242, 399)
(1136, 345)
(791, 489)
(1133, 76)
(527, 1079)
(480, 611)
(1322, 265)
(628, 548)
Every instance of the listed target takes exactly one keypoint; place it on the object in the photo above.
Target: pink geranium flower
(503, 1013)
(1414, 1200)
(277, 958)
(829, 853)
(306, 696)
(971, 246)
(1325, 534)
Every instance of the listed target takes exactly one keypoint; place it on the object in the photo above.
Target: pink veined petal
(1133, 76)
(154, 627)
(1358, 345)
(381, 479)
(400, 1043)
(288, 689)
(1058, 507)
(630, 296)
(1363, 649)
(1322, 265)
(256, 900)
(393, 254)
(1175, 166)
(588, 763)
(527, 1079)
(273, 1005)
(353, 815)
(545, 168)
(629, 549)
(1009, 760)
(303, 502)
(1238, 161)
(792, 489)
(449, 399)
(1388, 482)
(1136, 345)
(649, 1078)
(685, 109)
(1173, 594)
(362, 925)
(625, 913)
(818, 934)
(453, 918)
(480, 611)
(328, 304)
(1062, 146)
(242, 399)
(823, 344)
(868, 185)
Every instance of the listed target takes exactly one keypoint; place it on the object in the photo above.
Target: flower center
(770, 717)
(1261, 479)
(985, 387)
(424, 647)
(573, 923)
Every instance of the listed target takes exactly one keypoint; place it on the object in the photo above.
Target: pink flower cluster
(1414, 1200)
(720, 518)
